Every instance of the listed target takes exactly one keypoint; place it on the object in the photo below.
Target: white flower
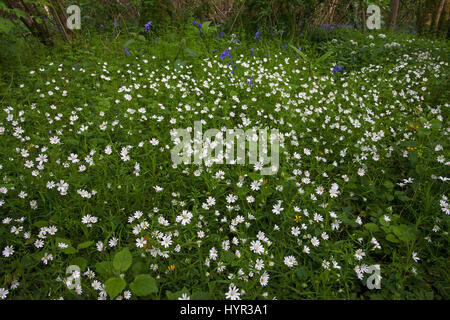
(8, 251)
(233, 293)
(359, 254)
(290, 261)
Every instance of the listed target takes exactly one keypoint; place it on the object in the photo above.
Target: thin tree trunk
(363, 16)
(429, 6)
(61, 19)
(444, 22)
(393, 14)
(438, 15)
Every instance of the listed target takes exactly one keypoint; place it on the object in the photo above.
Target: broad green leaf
(143, 285)
(122, 260)
(114, 286)
(104, 268)
(390, 237)
(372, 227)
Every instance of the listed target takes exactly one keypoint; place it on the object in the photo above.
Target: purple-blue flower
(336, 69)
(147, 26)
(257, 36)
(127, 53)
(224, 54)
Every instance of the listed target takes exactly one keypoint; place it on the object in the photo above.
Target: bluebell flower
(102, 26)
(198, 24)
(337, 69)
(147, 26)
(220, 36)
(224, 54)
(257, 36)
(127, 53)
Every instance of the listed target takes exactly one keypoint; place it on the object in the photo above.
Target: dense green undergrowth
(87, 177)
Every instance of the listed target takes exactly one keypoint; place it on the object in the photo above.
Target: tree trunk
(393, 14)
(363, 16)
(39, 30)
(59, 14)
(438, 15)
(426, 11)
(444, 22)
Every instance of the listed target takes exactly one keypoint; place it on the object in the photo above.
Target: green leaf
(299, 52)
(19, 13)
(390, 237)
(372, 227)
(435, 124)
(122, 260)
(104, 268)
(138, 267)
(143, 285)
(85, 244)
(205, 25)
(191, 53)
(323, 57)
(114, 286)
(301, 273)
(5, 26)
(69, 250)
(404, 232)
(388, 184)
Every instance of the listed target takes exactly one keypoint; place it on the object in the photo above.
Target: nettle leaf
(122, 260)
(143, 285)
(114, 286)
